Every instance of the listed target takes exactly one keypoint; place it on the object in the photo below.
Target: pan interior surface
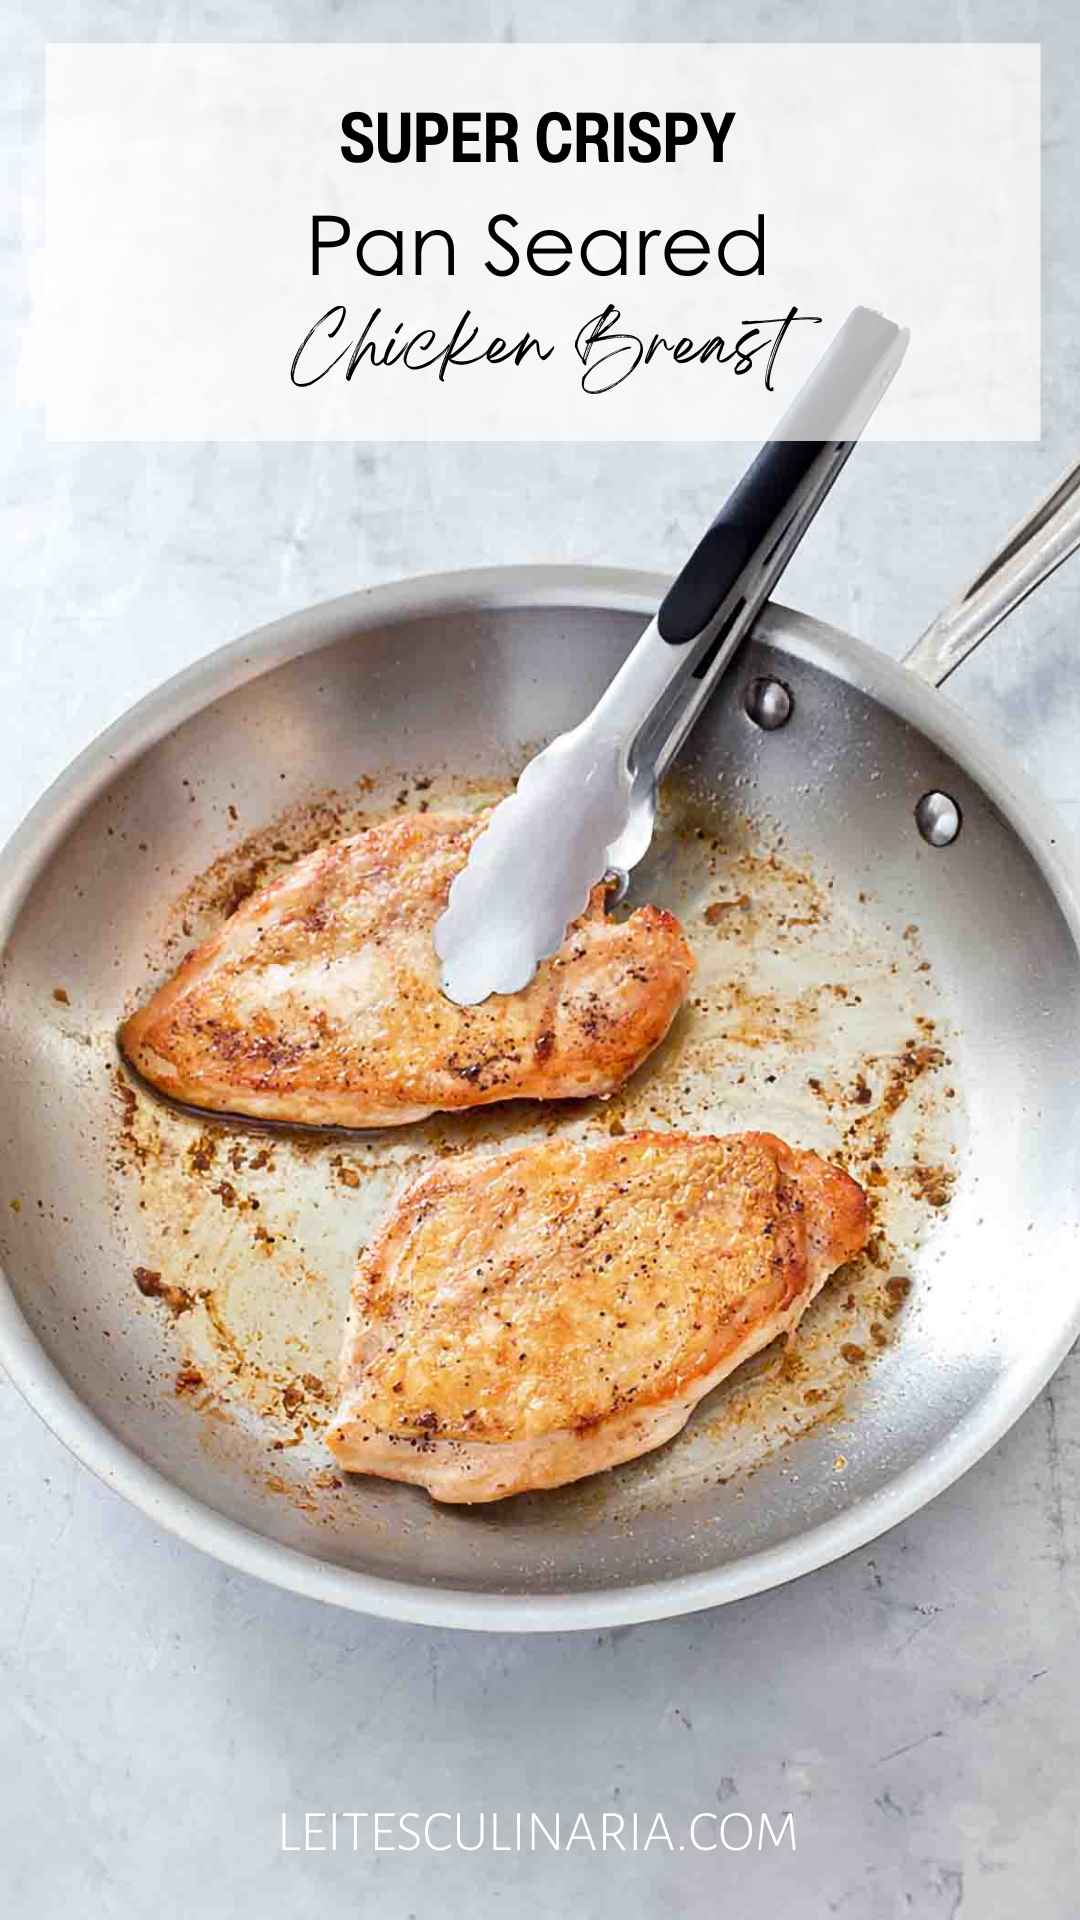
(914, 1009)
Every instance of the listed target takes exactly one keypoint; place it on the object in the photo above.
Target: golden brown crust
(526, 1318)
(318, 1001)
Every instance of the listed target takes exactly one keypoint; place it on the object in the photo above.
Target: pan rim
(227, 668)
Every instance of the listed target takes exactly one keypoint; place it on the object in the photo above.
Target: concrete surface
(917, 1706)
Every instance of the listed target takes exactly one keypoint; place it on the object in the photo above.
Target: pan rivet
(938, 819)
(769, 703)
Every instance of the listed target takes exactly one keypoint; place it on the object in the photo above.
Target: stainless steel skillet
(470, 669)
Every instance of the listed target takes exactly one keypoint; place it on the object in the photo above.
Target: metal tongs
(585, 806)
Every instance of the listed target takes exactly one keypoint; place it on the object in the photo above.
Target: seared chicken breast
(318, 1001)
(524, 1319)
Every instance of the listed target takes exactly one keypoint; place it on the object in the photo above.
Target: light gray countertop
(916, 1706)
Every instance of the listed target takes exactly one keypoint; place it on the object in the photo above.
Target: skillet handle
(1028, 556)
